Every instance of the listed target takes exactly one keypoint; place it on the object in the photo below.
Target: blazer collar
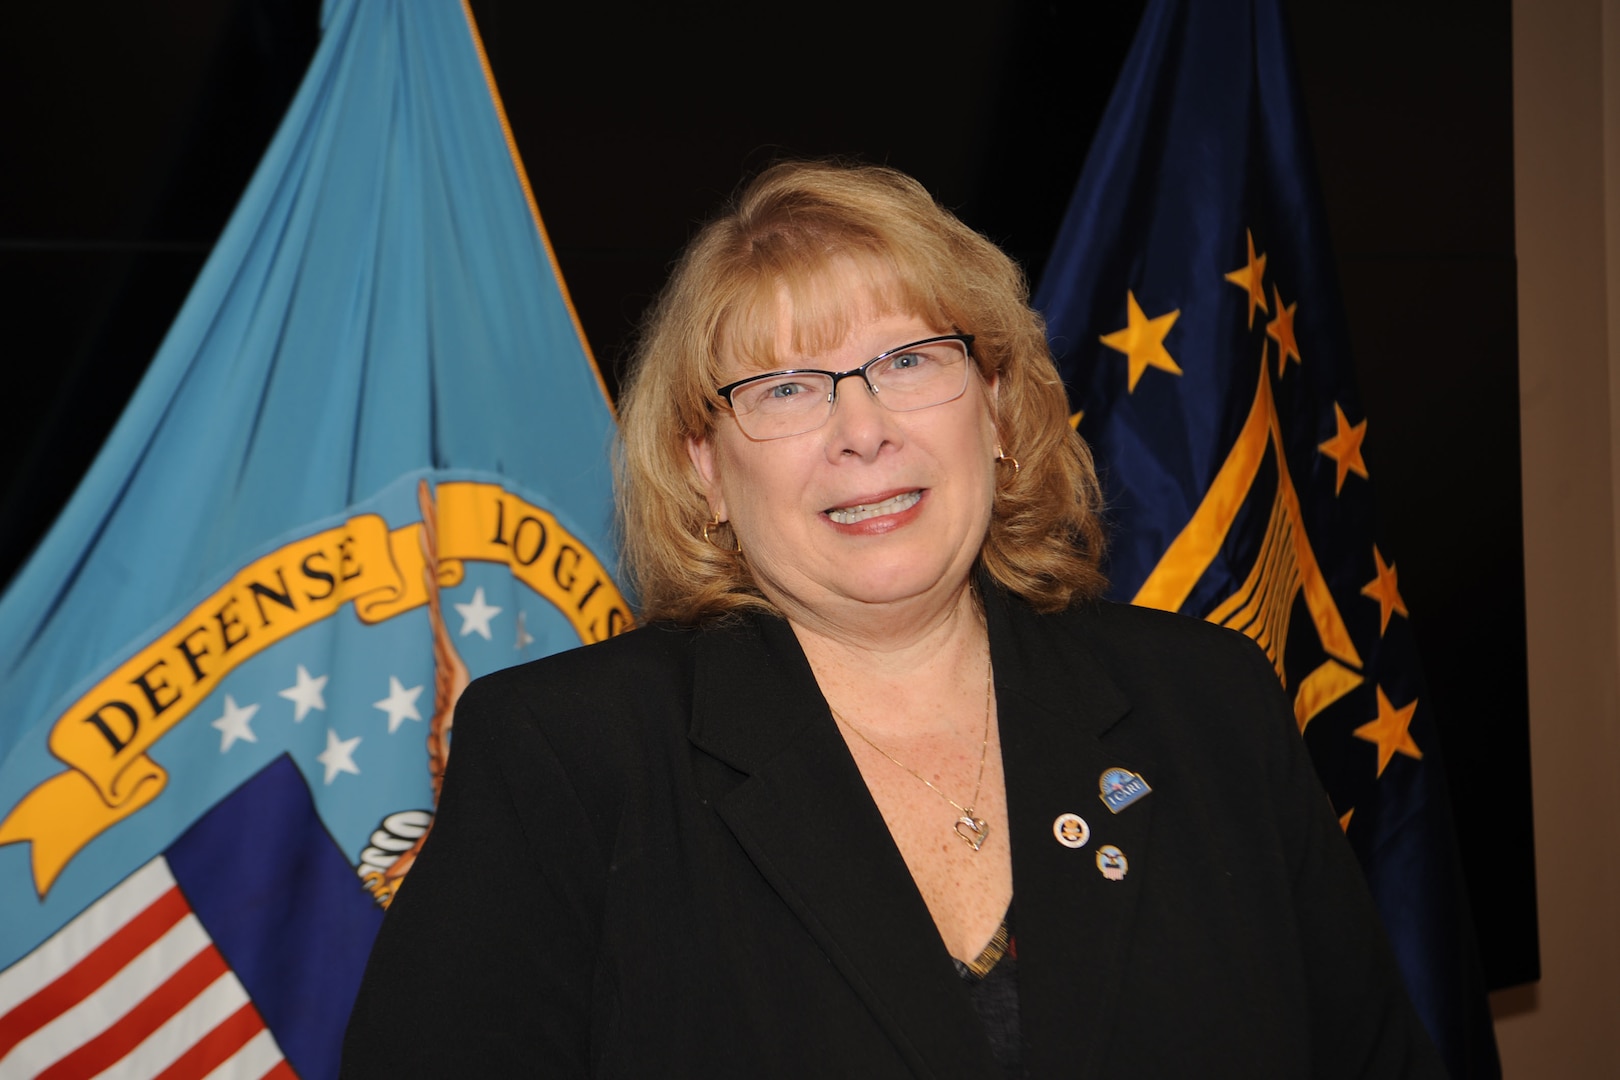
(806, 819)
(755, 693)
(810, 826)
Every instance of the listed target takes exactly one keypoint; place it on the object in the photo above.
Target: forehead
(792, 318)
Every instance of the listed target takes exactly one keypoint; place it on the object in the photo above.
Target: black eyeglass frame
(727, 390)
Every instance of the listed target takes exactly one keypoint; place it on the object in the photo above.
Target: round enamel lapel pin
(1071, 830)
(1111, 861)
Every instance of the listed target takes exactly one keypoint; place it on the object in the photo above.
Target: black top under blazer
(655, 856)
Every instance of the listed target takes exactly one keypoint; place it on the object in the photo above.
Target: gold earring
(736, 548)
(1002, 455)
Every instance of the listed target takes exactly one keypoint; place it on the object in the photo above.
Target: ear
(992, 404)
(992, 391)
(702, 453)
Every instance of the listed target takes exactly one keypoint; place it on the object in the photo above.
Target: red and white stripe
(132, 988)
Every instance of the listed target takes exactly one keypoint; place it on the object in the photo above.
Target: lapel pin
(1111, 861)
(1121, 787)
(1071, 830)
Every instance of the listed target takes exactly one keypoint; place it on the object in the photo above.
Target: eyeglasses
(916, 376)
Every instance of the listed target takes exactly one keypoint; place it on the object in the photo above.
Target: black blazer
(656, 857)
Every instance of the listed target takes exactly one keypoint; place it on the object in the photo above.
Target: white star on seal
(400, 704)
(306, 694)
(338, 755)
(476, 615)
(524, 638)
(234, 724)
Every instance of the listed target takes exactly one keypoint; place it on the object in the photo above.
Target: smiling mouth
(849, 515)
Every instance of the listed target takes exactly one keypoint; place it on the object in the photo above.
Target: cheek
(984, 449)
(988, 472)
(757, 493)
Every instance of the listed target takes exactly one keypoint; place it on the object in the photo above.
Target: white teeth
(849, 515)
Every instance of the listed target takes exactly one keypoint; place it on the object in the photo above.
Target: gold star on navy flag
(1142, 341)
(1391, 731)
(1383, 589)
(1281, 330)
(1252, 279)
(1345, 448)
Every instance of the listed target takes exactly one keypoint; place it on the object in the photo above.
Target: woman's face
(874, 507)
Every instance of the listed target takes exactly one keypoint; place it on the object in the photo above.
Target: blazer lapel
(1072, 921)
(807, 821)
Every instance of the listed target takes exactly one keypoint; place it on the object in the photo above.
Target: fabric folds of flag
(1193, 307)
(368, 463)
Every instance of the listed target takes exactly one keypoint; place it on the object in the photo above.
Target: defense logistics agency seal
(351, 573)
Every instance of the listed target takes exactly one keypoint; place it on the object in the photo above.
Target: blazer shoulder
(598, 701)
(1133, 639)
(605, 671)
(1189, 682)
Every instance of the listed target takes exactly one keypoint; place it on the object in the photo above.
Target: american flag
(133, 987)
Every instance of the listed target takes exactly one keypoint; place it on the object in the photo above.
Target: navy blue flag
(1193, 308)
(368, 463)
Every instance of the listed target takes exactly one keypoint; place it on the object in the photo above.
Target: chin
(901, 583)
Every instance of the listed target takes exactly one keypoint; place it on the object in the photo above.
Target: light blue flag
(369, 462)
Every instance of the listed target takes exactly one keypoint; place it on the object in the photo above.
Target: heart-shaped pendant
(977, 831)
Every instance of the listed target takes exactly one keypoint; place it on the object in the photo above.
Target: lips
(858, 512)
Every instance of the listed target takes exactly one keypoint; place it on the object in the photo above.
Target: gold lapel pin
(1071, 830)
(1111, 861)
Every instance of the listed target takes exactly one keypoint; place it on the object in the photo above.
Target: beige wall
(1566, 117)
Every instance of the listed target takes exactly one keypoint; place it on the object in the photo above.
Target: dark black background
(129, 129)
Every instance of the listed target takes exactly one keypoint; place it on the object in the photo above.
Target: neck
(927, 675)
(885, 627)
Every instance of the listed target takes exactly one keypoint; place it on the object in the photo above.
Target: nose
(859, 425)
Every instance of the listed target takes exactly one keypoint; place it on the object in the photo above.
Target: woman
(881, 789)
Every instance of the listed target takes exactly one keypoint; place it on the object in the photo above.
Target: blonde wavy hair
(797, 232)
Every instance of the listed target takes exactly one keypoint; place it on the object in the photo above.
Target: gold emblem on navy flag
(1111, 861)
(1071, 830)
(1121, 787)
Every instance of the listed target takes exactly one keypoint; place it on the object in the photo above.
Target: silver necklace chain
(977, 830)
